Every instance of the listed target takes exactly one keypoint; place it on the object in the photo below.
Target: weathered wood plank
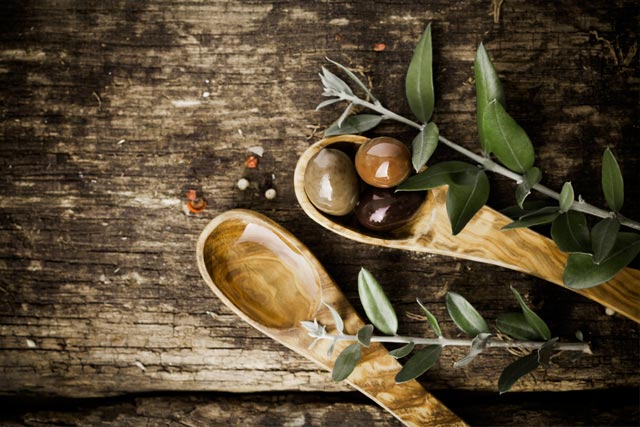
(104, 120)
(305, 409)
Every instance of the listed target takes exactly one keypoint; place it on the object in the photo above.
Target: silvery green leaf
(436, 176)
(506, 139)
(334, 82)
(603, 238)
(431, 319)
(478, 345)
(523, 189)
(488, 88)
(516, 326)
(327, 102)
(346, 362)
(311, 327)
(546, 351)
(364, 335)
(344, 115)
(571, 232)
(532, 318)
(517, 370)
(403, 351)
(566, 197)
(463, 201)
(581, 272)
(542, 216)
(331, 347)
(336, 318)
(420, 362)
(354, 78)
(579, 335)
(376, 304)
(464, 315)
(354, 125)
(419, 81)
(612, 183)
(423, 145)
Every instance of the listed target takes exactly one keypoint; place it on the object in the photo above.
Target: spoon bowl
(482, 240)
(273, 282)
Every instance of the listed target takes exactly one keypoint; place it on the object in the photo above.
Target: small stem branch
(490, 165)
(453, 342)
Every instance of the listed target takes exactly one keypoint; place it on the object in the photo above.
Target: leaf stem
(490, 165)
(455, 342)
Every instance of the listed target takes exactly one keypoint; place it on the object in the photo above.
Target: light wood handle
(518, 249)
(409, 401)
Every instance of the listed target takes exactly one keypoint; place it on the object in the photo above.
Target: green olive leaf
(516, 326)
(478, 345)
(566, 197)
(423, 145)
(515, 211)
(581, 272)
(336, 318)
(464, 315)
(354, 125)
(419, 363)
(364, 335)
(571, 233)
(488, 88)
(538, 325)
(546, 351)
(419, 81)
(517, 370)
(403, 351)
(333, 82)
(523, 189)
(603, 238)
(507, 140)
(463, 201)
(346, 362)
(376, 304)
(435, 176)
(431, 319)
(541, 216)
(612, 183)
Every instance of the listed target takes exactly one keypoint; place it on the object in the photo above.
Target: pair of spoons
(273, 282)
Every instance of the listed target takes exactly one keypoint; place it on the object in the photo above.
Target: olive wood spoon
(482, 240)
(273, 282)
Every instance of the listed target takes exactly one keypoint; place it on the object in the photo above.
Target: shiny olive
(382, 209)
(383, 162)
(331, 183)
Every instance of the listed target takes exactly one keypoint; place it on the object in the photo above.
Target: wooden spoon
(271, 280)
(481, 240)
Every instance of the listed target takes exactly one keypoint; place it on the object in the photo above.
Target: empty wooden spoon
(272, 281)
(481, 240)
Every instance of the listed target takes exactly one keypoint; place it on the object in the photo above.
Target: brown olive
(383, 162)
(331, 183)
(382, 209)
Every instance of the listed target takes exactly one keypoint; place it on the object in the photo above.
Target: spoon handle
(409, 401)
(518, 249)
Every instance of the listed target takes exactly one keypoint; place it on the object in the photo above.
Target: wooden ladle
(271, 280)
(481, 240)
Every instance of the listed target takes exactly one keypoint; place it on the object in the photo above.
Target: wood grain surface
(111, 109)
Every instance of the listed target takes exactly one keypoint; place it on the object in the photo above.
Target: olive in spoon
(482, 239)
(271, 280)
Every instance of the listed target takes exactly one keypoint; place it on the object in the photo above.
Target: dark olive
(381, 209)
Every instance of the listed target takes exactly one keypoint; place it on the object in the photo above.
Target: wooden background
(105, 120)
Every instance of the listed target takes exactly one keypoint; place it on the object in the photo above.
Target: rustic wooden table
(111, 109)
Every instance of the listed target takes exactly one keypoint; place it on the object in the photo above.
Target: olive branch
(596, 253)
(527, 329)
